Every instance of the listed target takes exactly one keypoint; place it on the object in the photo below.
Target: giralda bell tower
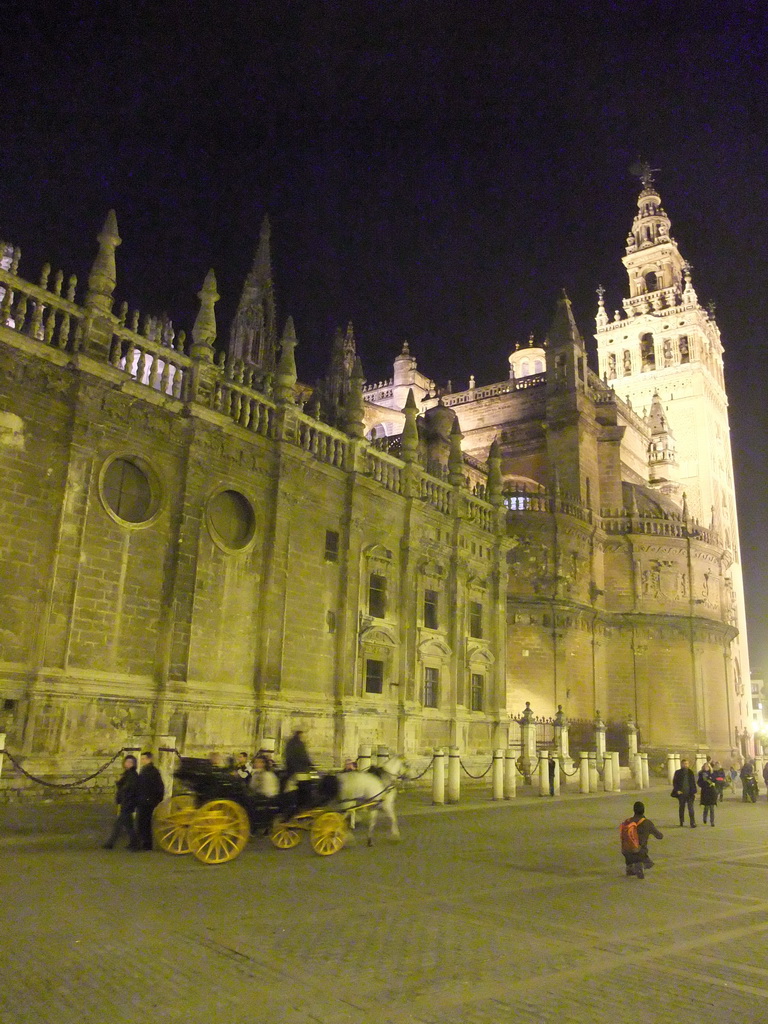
(665, 343)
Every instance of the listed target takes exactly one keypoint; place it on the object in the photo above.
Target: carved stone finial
(456, 456)
(204, 330)
(354, 407)
(409, 442)
(495, 495)
(285, 378)
(103, 275)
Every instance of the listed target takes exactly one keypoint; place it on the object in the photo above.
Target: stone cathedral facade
(200, 546)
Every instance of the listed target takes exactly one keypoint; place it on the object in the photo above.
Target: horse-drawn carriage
(218, 814)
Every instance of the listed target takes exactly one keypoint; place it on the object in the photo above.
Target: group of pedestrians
(138, 794)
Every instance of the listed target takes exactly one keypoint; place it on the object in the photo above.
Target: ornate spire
(204, 330)
(564, 330)
(409, 441)
(253, 335)
(602, 316)
(285, 378)
(354, 407)
(103, 275)
(456, 456)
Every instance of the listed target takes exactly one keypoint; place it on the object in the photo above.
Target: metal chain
(414, 778)
(62, 785)
(476, 776)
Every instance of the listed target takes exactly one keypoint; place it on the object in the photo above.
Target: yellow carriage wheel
(284, 836)
(329, 833)
(219, 832)
(170, 823)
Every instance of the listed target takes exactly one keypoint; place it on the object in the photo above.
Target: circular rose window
(231, 520)
(128, 490)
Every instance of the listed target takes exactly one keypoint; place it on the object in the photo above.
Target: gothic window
(683, 346)
(647, 352)
(374, 675)
(231, 520)
(331, 546)
(377, 595)
(476, 619)
(476, 695)
(431, 684)
(430, 609)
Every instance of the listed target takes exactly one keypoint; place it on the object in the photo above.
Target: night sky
(434, 171)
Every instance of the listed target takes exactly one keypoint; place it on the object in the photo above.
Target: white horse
(377, 786)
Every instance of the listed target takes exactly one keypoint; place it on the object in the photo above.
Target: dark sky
(433, 170)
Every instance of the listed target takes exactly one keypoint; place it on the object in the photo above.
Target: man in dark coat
(297, 760)
(748, 782)
(684, 788)
(150, 794)
(708, 789)
(126, 797)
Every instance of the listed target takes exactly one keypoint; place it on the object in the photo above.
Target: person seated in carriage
(263, 781)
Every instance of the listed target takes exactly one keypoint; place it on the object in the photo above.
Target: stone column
(594, 778)
(599, 738)
(167, 762)
(608, 773)
(497, 772)
(133, 747)
(556, 780)
(677, 762)
(616, 771)
(438, 777)
(670, 767)
(584, 772)
(637, 770)
(382, 755)
(646, 771)
(363, 757)
(510, 774)
(543, 774)
(631, 740)
(528, 740)
(454, 775)
(2, 752)
(700, 759)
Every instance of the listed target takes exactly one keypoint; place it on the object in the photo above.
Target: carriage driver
(297, 760)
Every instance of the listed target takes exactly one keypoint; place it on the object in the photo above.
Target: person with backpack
(634, 834)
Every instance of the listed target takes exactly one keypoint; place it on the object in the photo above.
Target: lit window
(374, 676)
(431, 682)
(377, 596)
(430, 609)
(476, 619)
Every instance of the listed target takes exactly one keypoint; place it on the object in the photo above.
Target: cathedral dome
(439, 421)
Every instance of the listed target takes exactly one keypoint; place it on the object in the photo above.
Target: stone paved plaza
(483, 914)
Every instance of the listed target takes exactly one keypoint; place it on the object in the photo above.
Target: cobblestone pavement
(481, 915)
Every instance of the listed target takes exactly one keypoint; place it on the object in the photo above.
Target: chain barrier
(475, 776)
(415, 778)
(520, 765)
(62, 785)
(570, 775)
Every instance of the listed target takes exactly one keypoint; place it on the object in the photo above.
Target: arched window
(651, 281)
(538, 366)
(525, 368)
(647, 352)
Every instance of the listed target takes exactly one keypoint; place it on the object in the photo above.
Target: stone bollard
(454, 775)
(510, 774)
(608, 773)
(700, 761)
(167, 762)
(556, 779)
(631, 739)
(382, 755)
(599, 736)
(267, 747)
(670, 767)
(363, 757)
(133, 748)
(637, 770)
(438, 777)
(497, 772)
(2, 752)
(584, 772)
(616, 771)
(594, 777)
(646, 771)
(677, 761)
(543, 774)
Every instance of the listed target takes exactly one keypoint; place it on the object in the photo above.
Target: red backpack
(630, 840)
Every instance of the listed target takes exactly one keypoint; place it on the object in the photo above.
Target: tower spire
(253, 334)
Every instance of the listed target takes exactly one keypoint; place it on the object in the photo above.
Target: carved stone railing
(385, 470)
(323, 442)
(504, 387)
(37, 312)
(160, 367)
(481, 514)
(437, 494)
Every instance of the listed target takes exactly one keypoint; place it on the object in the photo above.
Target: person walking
(708, 792)
(748, 782)
(126, 797)
(684, 788)
(297, 759)
(718, 777)
(151, 790)
(635, 833)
